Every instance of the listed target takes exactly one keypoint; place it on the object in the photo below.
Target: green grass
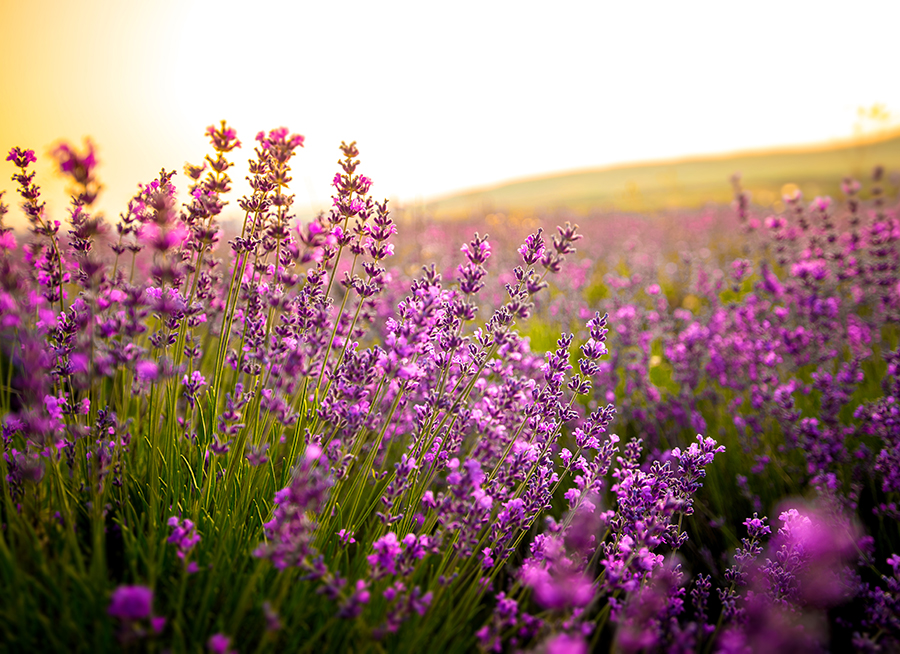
(692, 182)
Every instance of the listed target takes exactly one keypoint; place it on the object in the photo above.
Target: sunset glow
(437, 100)
(476, 326)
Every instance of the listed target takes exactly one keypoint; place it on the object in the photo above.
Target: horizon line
(835, 143)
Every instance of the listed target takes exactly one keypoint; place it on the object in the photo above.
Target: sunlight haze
(439, 97)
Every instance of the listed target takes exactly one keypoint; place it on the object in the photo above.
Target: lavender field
(373, 432)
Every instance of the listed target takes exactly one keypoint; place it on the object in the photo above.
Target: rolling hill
(689, 182)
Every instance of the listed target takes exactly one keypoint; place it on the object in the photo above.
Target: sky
(440, 97)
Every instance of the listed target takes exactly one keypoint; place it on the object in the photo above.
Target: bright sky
(439, 96)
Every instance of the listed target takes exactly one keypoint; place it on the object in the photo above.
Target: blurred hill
(683, 183)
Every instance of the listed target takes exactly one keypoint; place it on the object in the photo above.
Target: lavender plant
(776, 333)
(279, 438)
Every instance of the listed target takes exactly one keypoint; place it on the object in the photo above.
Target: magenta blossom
(281, 138)
(223, 138)
(147, 370)
(78, 166)
(559, 588)
(20, 157)
(219, 644)
(387, 551)
(567, 644)
(7, 241)
(131, 603)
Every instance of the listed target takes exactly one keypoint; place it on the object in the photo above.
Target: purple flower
(256, 456)
(79, 167)
(184, 536)
(533, 247)
(273, 621)
(741, 269)
(7, 241)
(567, 644)
(290, 531)
(478, 251)
(387, 551)
(20, 157)
(192, 386)
(223, 138)
(808, 566)
(147, 370)
(756, 527)
(894, 562)
(560, 590)
(219, 644)
(280, 138)
(131, 603)
(353, 606)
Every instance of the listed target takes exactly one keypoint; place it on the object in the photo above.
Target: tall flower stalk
(276, 438)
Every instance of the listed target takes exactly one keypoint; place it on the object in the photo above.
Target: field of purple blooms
(363, 435)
